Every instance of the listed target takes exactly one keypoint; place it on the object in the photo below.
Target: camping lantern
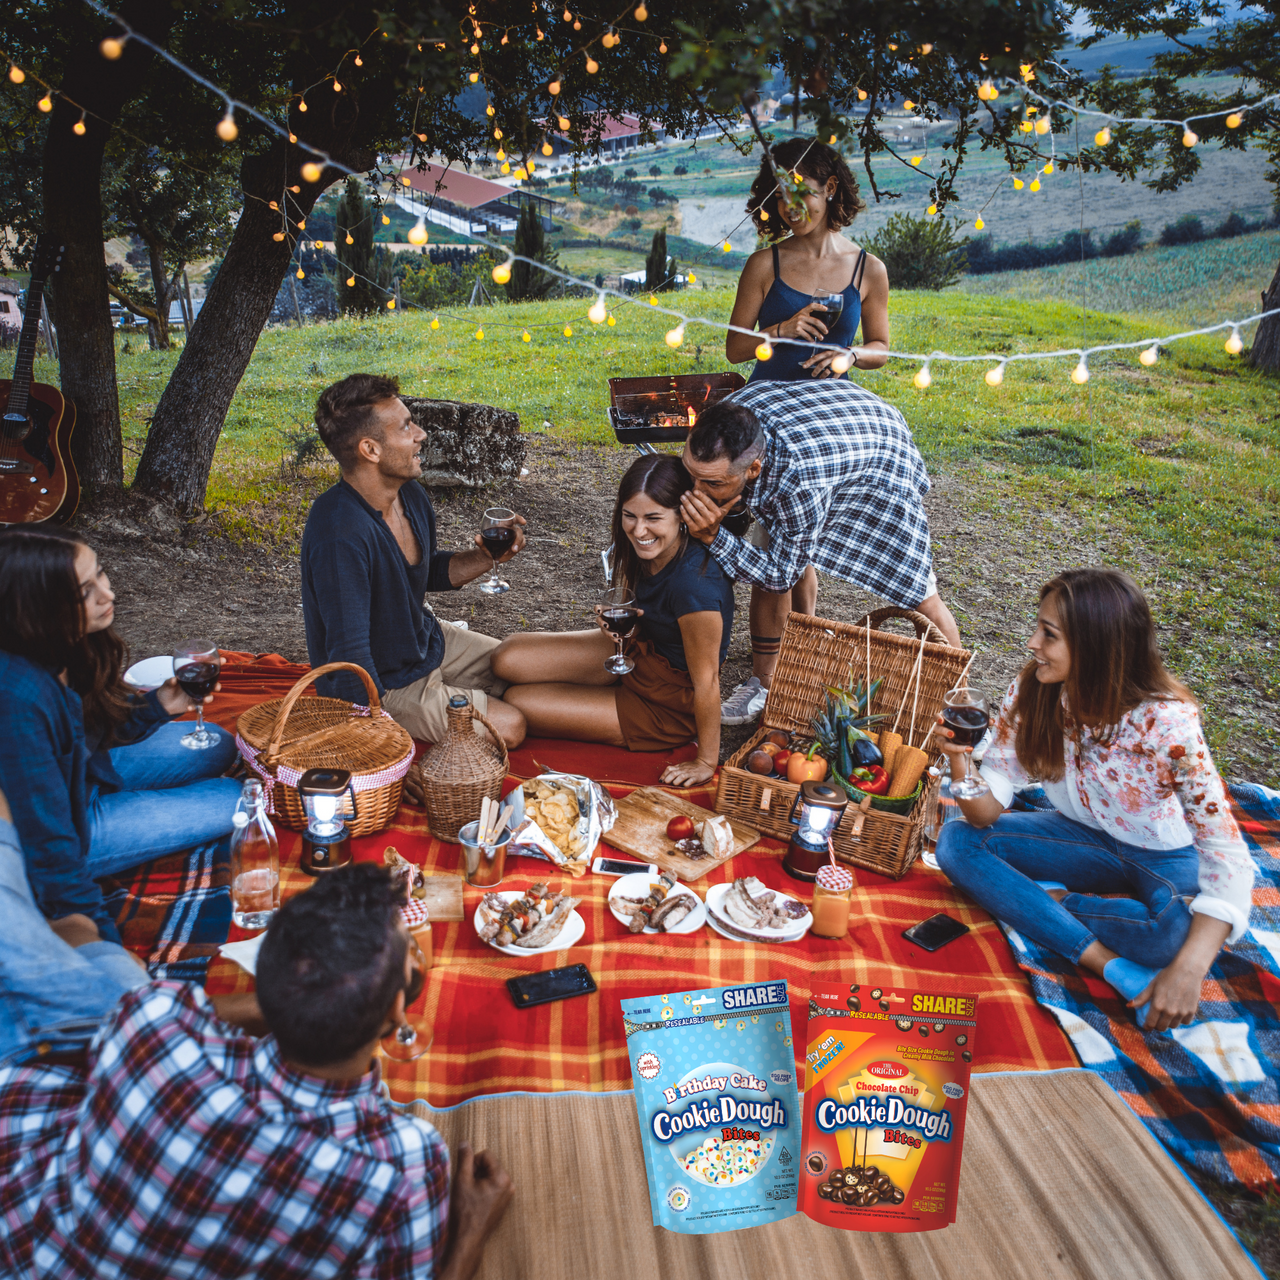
(326, 843)
(821, 807)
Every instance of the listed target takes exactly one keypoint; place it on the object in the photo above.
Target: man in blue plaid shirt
(834, 481)
(178, 1146)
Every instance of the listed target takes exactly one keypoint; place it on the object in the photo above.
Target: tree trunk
(164, 289)
(179, 452)
(72, 189)
(1266, 342)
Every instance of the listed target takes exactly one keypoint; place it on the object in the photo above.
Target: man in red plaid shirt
(183, 1147)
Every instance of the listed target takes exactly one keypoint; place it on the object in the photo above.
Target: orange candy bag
(886, 1087)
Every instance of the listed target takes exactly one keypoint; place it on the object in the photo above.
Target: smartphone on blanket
(551, 984)
(935, 932)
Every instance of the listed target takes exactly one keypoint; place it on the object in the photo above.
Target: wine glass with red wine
(498, 534)
(616, 606)
(195, 664)
(408, 1039)
(964, 712)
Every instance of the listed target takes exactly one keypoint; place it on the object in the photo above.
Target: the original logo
(888, 1070)
(648, 1065)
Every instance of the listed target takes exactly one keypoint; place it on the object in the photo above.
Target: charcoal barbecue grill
(660, 410)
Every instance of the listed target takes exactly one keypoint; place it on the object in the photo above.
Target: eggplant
(863, 752)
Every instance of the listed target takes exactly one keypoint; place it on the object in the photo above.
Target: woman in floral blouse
(1138, 807)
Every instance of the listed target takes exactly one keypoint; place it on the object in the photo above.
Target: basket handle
(282, 716)
(924, 626)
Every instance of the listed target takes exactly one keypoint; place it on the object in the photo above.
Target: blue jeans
(51, 994)
(173, 799)
(997, 865)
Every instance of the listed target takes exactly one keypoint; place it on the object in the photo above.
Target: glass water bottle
(255, 860)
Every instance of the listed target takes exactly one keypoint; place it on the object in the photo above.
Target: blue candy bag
(714, 1074)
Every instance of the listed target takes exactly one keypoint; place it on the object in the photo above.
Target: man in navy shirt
(369, 555)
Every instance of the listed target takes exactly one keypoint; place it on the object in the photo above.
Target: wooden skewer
(915, 701)
(867, 710)
(960, 684)
(907, 690)
(482, 830)
(503, 818)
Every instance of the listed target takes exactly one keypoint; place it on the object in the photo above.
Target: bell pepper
(872, 779)
(810, 767)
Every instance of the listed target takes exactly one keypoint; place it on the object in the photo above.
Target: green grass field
(1181, 457)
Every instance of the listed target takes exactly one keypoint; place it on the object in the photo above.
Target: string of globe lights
(598, 313)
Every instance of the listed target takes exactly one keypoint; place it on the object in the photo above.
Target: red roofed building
(464, 202)
(616, 136)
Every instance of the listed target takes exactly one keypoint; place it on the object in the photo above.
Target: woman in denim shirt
(95, 775)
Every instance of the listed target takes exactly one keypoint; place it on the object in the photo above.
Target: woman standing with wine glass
(670, 605)
(100, 780)
(1139, 809)
(812, 282)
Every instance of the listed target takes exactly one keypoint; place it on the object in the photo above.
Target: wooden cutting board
(641, 830)
(443, 897)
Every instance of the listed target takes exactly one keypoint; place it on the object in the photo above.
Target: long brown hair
(42, 618)
(811, 159)
(661, 477)
(1115, 666)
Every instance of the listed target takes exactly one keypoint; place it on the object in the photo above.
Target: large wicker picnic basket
(816, 653)
(281, 739)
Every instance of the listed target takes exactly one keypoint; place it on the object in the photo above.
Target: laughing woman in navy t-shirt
(672, 697)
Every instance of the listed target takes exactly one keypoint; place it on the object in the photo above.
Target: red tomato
(680, 828)
(780, 762)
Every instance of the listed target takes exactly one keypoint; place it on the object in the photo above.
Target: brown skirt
(655, 702)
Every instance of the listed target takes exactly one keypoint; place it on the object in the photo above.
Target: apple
(680, 827)
(780, 762)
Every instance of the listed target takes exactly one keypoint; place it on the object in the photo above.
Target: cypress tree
(656, 271)
(528, 284)
(369, 265)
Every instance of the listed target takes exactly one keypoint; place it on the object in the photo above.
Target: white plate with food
(750, 907)
(529, 922)
(678, 910)
(150, 673)
(740, 935)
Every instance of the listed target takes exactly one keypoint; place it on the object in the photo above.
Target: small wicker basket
(281, 739)
(816, 653)
(460, 771)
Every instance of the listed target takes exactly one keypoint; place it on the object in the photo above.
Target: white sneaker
(745, 702)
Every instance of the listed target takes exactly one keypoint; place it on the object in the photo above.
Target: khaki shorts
(423, 706)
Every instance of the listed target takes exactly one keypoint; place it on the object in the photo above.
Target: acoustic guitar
(38, 480)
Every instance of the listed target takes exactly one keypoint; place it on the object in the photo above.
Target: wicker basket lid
(308, 733)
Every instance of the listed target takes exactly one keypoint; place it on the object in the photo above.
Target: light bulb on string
(391, 304)
(916, 160)
(79, 127)
(500, 154)
(1103, 137)
(547, 149)
(1234, 345)
(302, 106)
(728, 247)
(1048, 168)
(994, 377)
(435, 322)
(337, 85)
(553, 88)
(692, 278)
(295, 189)
(563, 122)
(386, 220)
(1018, 184)
(45, 104)
(480, 334)
(526, 336)
(418, 232)
(764, 215)
(489, 110)
(568, 17)
(662, 48)
(227, 129)
(1035, 185)
(1042, 126)
(862, 95)
(592, 65)
(1234, 120)
(540, 34)
(611, 322)
(521, 173)
(17, 75)
(598, 311)
(278, 236)
(642, 14)
(908, 105)
(405, 180)
(764, 351)
(293, 138)
(568, 331)
(1189, 138)
(302, 275)
(653, 302)
(675, 337)
(923, 377)
(311, 172)
(841, 363)
(1080, 374)
(475, 76)
(302, 224)
(978, 224)
(1150, 355)
(359, 61)
(506, 168)
(577, 26)
(350, 238)
(502, 272)
(931, 210)
(475, 48)
(351, 282)
(110, 48)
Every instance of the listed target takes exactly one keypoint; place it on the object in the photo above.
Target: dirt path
(174, 580)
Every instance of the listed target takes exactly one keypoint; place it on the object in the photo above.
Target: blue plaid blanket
(1210, 1092)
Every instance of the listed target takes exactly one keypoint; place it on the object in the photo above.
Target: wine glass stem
(199, 730)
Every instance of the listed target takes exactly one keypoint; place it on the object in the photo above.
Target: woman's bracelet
(853, 351)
